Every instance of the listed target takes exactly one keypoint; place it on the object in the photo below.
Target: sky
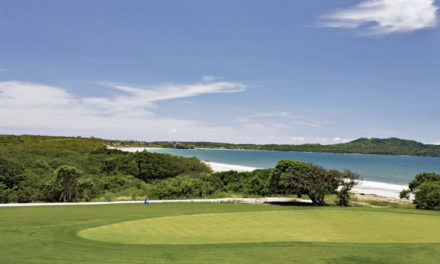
(237, 71)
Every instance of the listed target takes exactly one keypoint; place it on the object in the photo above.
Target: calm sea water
(381, 168)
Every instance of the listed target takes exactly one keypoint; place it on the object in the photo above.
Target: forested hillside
(388, 146)
(53, 169)
(40, 168)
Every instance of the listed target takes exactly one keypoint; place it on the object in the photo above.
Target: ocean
(378, 168)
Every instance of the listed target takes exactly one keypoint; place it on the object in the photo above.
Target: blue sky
(232, 71)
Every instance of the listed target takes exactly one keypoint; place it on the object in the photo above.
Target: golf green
(273, 226)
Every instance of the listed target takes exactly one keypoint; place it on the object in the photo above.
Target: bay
(380, 168)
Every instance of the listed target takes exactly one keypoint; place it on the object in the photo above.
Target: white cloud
(436, 143)
(269, 118)
(386, 16)
(135, 100)
(208, 78)
(274, 114)
(35, 108)
(133, 113)
(340, 140)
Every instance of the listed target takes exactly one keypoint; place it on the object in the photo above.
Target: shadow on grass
(291, 203)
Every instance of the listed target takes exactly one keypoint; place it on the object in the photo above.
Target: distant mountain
(387, 146)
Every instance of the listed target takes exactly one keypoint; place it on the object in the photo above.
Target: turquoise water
(381, 168)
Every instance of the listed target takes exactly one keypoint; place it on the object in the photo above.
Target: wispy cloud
(340, 140)
(132, 113)
(208, 78)
(386, 16)
(286, 118)
(28, 107)
(138, 101)
(109, 61)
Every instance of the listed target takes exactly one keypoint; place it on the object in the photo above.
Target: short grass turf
(256, 234)
(273, 226)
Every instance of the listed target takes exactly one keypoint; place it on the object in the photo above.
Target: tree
(296, 177)
(10, 173)
(11, 177)
(257, 182)
(348, 180)
(426, 190)
(65, 183)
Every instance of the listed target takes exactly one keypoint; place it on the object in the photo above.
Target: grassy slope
(48, 235)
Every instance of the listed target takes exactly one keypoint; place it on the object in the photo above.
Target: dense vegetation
(35, 168)
(388, 146)
(426, 190)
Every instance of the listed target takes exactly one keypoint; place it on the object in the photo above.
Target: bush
(185, 186)
(426, 190)
(257, 182)
(11, 178)
(296, 177)
(427, 195)
(64, 186)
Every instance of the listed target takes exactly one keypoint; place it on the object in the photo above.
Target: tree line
(388, 146)
(53, 169)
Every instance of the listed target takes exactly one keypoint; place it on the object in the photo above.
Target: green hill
(388, 146)
(35, 168)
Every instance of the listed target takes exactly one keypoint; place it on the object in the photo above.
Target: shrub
(426, 190)
(296, 177)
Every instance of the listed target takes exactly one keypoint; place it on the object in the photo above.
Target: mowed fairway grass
(217, 233)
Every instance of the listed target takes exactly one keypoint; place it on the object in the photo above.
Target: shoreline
(381, 189)
(133, 149)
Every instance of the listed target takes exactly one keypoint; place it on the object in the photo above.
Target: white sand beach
(386, 190)
(226, 167)
(381, 189)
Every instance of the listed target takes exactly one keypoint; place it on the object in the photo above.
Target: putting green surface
(49, 234)
(273, 226)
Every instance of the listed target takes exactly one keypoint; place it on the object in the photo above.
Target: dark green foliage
(11, 173)
(233, 181)
(186, 186)
(348, 180)
(426, 190)
(84, 169)
(65, 184)
(296, 177)
(11, 178)
(257, 182)
(154, 166)
(248, 183)
(422, 178)
(388, 146)
(77, 169)
(427, 195)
